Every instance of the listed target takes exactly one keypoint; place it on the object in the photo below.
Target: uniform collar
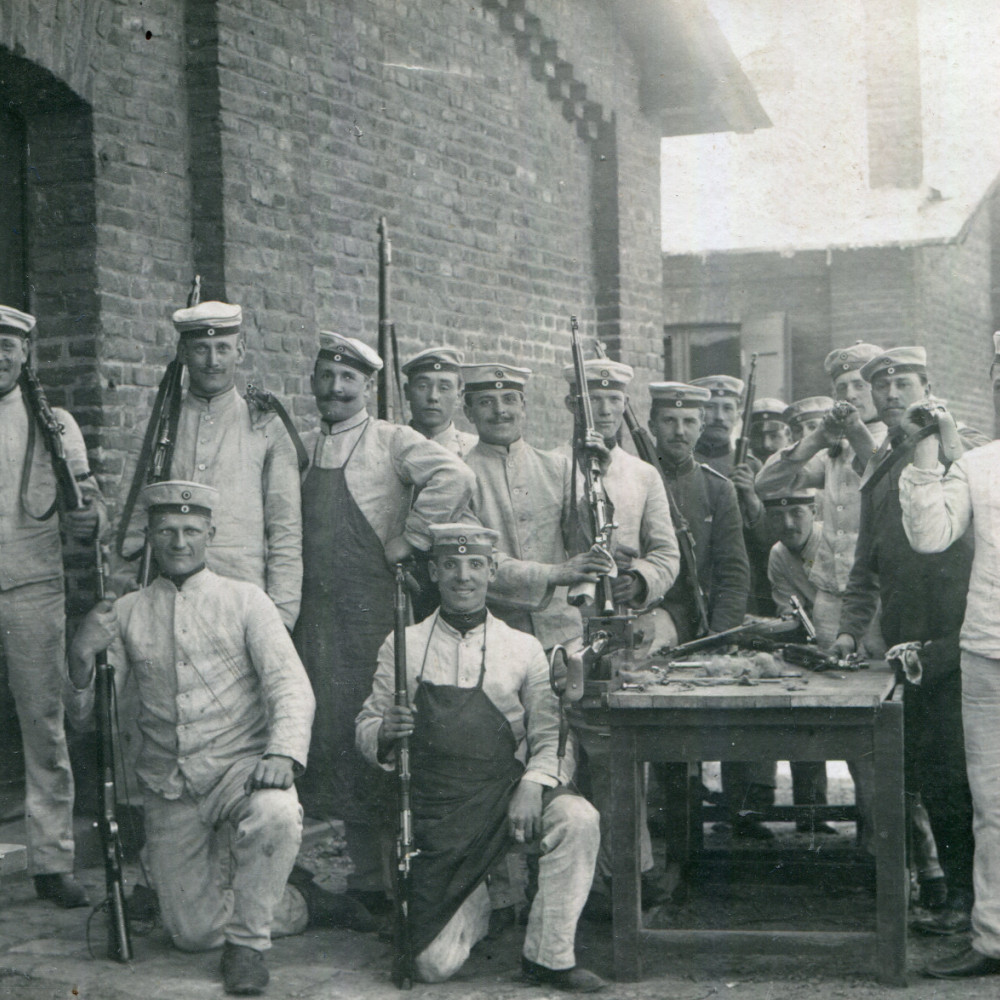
(12, 398)
(677, 470)
(343, 426)
(711, 450)
(196, 581)
(504, 450)
(224, 401)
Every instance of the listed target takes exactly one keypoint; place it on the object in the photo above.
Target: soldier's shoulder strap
(266, 402)
(714, 472)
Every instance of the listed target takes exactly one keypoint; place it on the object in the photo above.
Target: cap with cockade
(13, 321)
(811, 406)
(896, 361)
(494, 375)
(678, 394)
(462, 539)
(721, 386)
(434, 359)
(208, 319)
(849, 359)
(348, 351)
(768, 411)
(602, 373)
(176, 496)
(788, 497)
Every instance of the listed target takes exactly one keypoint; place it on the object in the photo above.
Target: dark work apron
(464, 767)
(347, 612)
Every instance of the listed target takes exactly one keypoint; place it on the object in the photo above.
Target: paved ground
(44, 951)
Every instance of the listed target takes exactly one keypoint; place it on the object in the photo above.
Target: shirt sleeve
(285, 686)
(783, 470)
(444, 484)
(383, 693)
(730, 582)
(777, 575)
(660, 560)
(936, 506)
(541, 710)
(283, 522)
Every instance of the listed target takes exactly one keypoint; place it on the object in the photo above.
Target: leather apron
(464, 771)
(347, 611)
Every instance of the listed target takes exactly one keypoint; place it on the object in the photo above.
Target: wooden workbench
(825, 717)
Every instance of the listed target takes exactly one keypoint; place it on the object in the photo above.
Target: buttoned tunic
(642, 522)
(389, 461)
(937, 509)
(250, 459)
(525, 494)
(839, 503)
(218, 681)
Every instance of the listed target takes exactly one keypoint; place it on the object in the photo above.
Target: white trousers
(568, 852)
(981, 721)
(220, 863)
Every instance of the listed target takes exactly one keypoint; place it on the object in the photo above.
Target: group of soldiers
(262, 654)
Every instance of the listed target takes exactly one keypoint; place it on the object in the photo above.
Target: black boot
(61, 889)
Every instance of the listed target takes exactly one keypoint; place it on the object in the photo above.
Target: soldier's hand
(838, 423)
(843, 646)
(593, 445)
(627, 588)
(82, 523)
(524, 814)
(271, 772)
(397, 722)
(397, 550)
(743, 479)
(624, 554)
(585, 567)
(98, 629)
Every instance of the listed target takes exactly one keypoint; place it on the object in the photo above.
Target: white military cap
(434, 359)
(208, 319)
(788, 497)
(177, 496)
(768, 411)
(721, 385)
(494, 375)
(16, 322)
(896, 361)
(602, 373)
(348, 351)
(678, 394)
(462, 539)
(811, 406)
(847, 359)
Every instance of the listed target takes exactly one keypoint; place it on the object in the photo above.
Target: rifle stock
(119, 937)
(402, 973)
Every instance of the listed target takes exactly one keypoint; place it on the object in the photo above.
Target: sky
(803, 183)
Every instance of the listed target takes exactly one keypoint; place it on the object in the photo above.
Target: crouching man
(225, 714)
(484, 730)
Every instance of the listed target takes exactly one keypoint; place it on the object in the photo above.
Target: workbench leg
(890, 861)
(626, 787)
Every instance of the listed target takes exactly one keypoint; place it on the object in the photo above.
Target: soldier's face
(340, 391)
(608, 406)
(212, 362)
(721, 414)
(13, 354)
(792, 524)
(179, 541)
(499, 414)
(462, 580)
(894, 393)
(433, 397)
(676, 430)
(774, 436)
(805, 425)
(852, 388)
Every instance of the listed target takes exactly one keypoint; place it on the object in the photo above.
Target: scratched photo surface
(695, 188)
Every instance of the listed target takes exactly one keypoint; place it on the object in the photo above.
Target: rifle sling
(896, 456)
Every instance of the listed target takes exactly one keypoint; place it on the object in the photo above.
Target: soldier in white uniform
(433, 388)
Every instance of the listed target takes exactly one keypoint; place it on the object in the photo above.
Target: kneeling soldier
(225, 713)
(484, 731)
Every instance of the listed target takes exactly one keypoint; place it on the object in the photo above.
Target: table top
(829, 689)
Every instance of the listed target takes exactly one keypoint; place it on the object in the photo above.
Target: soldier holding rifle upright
(483, 731)
(358, 523)
(32, 602)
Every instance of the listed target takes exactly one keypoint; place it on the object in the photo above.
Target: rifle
(388, 349)
(743, 442)
(402, 972)
(119, 938)
(597, 498)
(68, 496)
(646, 450)
(157, 450)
